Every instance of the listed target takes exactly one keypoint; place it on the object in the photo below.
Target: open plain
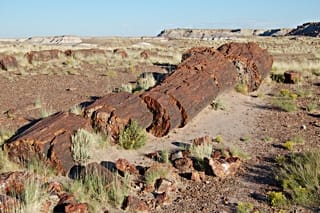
(261, 128)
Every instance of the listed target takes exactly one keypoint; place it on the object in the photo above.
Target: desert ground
(262, 128)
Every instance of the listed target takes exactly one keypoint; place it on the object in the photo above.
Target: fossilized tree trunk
(49, 140)
(199, 78)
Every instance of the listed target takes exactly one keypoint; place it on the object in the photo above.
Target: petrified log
(252, 63)
(166, 113)
(197, 81)
(84, 52)
(7, 62)
(114, 111)
(49, 140)
(42, 55)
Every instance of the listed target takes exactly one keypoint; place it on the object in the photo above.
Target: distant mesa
(307, 29)
(58, 40)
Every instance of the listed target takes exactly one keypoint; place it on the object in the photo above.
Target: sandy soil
(244, 124)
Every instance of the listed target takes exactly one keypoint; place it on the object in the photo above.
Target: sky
(26, 18)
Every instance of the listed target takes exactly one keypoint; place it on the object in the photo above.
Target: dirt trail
(238, 120)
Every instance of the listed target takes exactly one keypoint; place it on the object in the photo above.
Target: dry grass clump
(96, 191)
(81, 140)
(299, 175)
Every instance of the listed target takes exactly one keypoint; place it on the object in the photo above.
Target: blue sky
(25, 18)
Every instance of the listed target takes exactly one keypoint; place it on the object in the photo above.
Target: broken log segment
(114, 111)
(48, 140)
(252, 62)
(166, 113)
(203, 74)
(197, 81)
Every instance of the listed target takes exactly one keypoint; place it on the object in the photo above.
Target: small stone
(184, 164)
(304, 127)
(176, 155)
(76, 208)
(134, 204)
(163, 185)
(195, 176)
(224, 167)
(292, 77)
(203, 140)
(125, 166)
(163, 199)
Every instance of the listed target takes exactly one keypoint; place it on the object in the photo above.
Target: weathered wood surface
(166, 113)
(197, 81)
(252, 63)
(114, 111)
(49, 140)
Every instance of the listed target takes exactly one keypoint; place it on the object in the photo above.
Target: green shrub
(277, 199)
(288, 145)
(218, 139)
(285, 104)
(299, 174)
(132, 136)
(33, 197)
(95, 190)
(76, 109)
(5, 135)
(165, 154)
(201, 151)
(244, 207)
(118, 190)
(145, 82)
(242, 88)
(312, 107)
(217, 105)
(81, 141)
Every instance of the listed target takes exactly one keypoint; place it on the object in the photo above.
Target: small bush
(285, 104)
(132, 136)
(45, 112)
(33, 196)
(37, 166)
(165, 156)
(145, 82)
(6, 165)
(299, 175)
(96, 191)
(277, 199)
(242, 88)
(81, 141)
(218, 139)
(244, 207)
(118, 190)
(312, 107)
(237, 152)
(76, 109)
(5, 135)
(288, 145)
(217, 105)
(201, 151)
